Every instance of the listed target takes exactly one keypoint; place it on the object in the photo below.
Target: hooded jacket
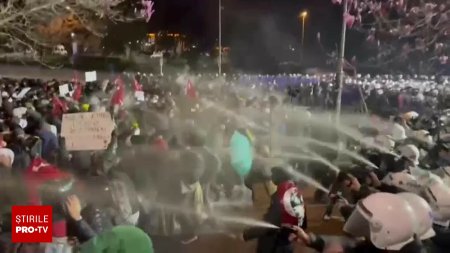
(38, 174)
(121, 239)
(281, 211)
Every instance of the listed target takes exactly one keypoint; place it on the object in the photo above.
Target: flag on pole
(78, 91)
(75, 78)
(59, 107)
(191, 92)
(137, 86)
(119, 94)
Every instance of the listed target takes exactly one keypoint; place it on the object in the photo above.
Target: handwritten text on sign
(87, 131)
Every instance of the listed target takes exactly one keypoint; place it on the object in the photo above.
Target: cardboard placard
(64, 90)
(90, 76)
(87, 131)
(23, 92)
(139, 95)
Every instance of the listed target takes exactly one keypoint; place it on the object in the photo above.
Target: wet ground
(224, 244)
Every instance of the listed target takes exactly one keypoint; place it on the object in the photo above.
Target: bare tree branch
(22, 21)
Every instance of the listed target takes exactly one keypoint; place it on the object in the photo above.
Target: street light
(220, 37)
(303, 16)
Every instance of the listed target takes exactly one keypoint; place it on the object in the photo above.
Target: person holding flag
(78, 91)
(118, 97)
(190, 90)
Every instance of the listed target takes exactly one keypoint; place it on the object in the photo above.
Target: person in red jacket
(38, 177)
(287, 209)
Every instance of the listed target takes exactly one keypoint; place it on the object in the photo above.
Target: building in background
(173, 44)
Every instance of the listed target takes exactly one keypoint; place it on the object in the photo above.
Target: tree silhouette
(412, 34)
(36, 25)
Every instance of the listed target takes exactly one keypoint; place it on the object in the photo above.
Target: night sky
(256, 30)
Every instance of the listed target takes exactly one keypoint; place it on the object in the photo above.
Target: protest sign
(139, 95)
(90, 76)
(87, 131)
(23, 92)
(64, 90)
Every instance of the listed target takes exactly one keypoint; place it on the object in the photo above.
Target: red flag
(161, 144)
(78, 92)
(75, 78)
(191, 92)
(119, 95)
(3, 143)
(59, 107)
(137, 86)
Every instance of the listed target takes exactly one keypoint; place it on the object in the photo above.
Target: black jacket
(441, 241)
(84, 231)
(95, 221)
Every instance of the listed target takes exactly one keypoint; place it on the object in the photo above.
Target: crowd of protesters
(184, 143)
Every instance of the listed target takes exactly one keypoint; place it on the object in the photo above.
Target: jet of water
(222, 109)
(216, 216)
(348, 131)
(332, 147)
(308, 158)
(300, 176)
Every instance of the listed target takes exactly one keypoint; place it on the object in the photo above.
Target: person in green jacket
(121, 239)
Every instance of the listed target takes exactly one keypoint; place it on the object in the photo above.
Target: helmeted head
(384, 218)
(445, 174)
(398, 132)
(385, 141)
(422, 211)
(402, 181)
(410, 116)
(410, 152)
(423, 137)
(438, 196)
(426, 178)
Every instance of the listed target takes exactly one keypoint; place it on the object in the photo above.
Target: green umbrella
(241, 153)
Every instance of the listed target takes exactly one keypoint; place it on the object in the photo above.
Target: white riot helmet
(398, 132)
(438, 195)
(423, 136)
(422, 210)
(385, 218)
(411, 152)
(403, 181)
(445, 175)
(426, 178)
(385, 141)
(367, 142)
